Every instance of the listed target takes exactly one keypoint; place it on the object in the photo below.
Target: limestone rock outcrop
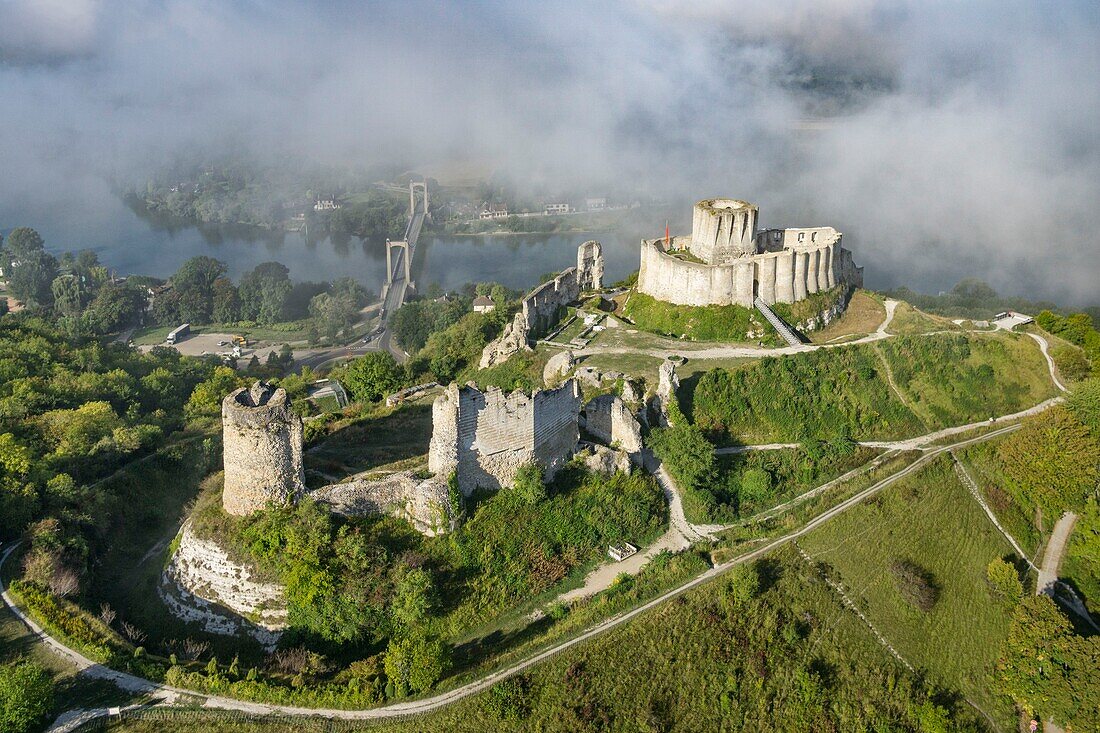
(262, 449)
(558, 366)
(667, 386)
(203, 584)
(607, 461)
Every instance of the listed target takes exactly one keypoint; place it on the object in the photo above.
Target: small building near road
(484, 304)
(596, 203)
(551, 209)
(621, 551)
(494, 210)
(328, 394)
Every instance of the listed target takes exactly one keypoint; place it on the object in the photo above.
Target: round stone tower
(723, 229)
(262, 449)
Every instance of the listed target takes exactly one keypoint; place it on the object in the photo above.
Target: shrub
(528, 485)
(916, 584)
(1004, 579)
(26, 697)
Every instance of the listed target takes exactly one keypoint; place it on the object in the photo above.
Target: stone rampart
(262, 449)
(486, 436)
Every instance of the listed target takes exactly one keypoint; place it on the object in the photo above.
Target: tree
(193, 284)
(26, 697)
(264, 292)
(206, 399)
(114, 306)
(690, 458)
(226, 303)
(21, 242)
(1004, 579)
(31, 277)
(1084, 403)
(69, 295)
(528, 485)
(77, 432)
(1054, 459)
(414, 597)
(372, 376)
(416, 662)
(1049, 670)
(333, 312)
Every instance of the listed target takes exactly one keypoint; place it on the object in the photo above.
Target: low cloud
(946, 140)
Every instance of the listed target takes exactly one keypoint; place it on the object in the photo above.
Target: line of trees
(85, 299)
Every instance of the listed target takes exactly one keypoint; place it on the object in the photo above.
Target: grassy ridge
(925, 383)
(696, 323)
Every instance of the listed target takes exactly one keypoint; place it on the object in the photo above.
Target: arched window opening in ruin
(801, 236)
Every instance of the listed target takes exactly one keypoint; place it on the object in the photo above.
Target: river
(129, 243)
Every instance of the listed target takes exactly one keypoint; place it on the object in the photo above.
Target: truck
(178, 334)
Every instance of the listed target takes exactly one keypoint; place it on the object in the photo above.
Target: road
(1052, 558)
(443, 699)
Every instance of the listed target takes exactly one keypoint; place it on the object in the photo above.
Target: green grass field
(930, 519)
(278, 332)
(908, 320)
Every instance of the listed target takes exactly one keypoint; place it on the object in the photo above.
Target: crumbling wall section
(608, 419)
(425, 503)
(542, 307)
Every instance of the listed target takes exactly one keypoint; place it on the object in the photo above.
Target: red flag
(666, 232)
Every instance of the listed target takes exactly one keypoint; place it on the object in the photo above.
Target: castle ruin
(541, 308)
(262, 449)
(484, 437)
(727, 260)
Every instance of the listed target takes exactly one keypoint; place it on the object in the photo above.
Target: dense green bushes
(26, 697)
(492, 566)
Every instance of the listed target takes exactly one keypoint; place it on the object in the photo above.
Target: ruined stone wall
(608, 419)
(423, 502)
(262, 449)
(486, 436)
(542, 307)
(590, 265)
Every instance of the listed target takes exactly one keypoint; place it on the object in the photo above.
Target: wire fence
(206, 719)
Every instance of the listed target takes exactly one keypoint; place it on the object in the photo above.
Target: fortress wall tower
(811, 271)
(799, 275)
(722, 229)
(590, 265)
(486, 436)
(262, 449)
(784, 277)
(765, 277)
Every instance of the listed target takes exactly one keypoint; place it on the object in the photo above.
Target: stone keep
(262, 449)
(731, 262)
(484, 437)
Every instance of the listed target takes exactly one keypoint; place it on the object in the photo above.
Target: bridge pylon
(422, 187)
(390, 245)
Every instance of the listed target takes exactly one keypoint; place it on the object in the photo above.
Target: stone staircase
(784, 330)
